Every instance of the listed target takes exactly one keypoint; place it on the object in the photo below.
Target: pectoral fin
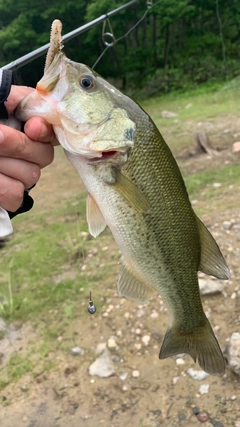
(131, 285)
(212, 261)
(96, 222)
(131, 194)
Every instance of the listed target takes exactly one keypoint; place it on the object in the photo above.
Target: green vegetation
(180, 44)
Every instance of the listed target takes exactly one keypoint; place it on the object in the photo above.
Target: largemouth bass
(136, 188)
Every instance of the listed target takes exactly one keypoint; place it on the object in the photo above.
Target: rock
(217, 184)
(204, 388)
(188, 106)
(146, 339)
(135, 374)
(77, 351)
(197, 375)
(103, 366)
(112, 343)
(237, 423)
(233, 353)
(227, 225)
(168, 114)
(210, 287)
(236, 147)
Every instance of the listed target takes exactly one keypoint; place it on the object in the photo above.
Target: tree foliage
(180, 43)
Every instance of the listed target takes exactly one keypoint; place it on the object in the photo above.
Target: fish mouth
(105, 155)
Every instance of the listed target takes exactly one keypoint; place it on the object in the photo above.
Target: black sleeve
(6, 80)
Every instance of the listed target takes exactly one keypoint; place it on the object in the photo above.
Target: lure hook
(91, 308)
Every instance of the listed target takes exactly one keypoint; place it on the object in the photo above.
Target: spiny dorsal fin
(96, 222)
(212, 261)
(131, 286)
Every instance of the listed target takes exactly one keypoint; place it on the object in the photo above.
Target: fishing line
(110, 34)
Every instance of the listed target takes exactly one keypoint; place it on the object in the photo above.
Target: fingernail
(1, 136)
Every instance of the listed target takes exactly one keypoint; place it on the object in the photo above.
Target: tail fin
(201, 345)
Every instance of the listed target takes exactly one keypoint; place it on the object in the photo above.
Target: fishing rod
(23, 60)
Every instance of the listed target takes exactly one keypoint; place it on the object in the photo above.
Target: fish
(135, 188)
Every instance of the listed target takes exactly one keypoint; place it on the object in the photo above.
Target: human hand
(22, 155)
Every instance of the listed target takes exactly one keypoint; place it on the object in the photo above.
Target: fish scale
(136, 188)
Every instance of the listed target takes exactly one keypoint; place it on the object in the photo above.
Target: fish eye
(87, 82)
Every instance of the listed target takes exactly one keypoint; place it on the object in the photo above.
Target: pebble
(154, 315)
(77, 351)
(217, 184)
(146, 339)
(202, 416)
(138, 346)
(135, 374)
(236, 147)
(180, 361)
(119, 333)
(168, 114)
(175, 380)
(125, 388)
(234, 397)
(103, 366)
(127, 315)
(227, 225)
(101, 347)
(138, 331)
(197, 375)
(124, 376)
(111, 343)
(233, 353)
(210, 287)
(141, 312)
(204, 389)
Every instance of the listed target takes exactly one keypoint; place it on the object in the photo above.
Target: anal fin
(96, 222)
(212, 261)
(132, 286)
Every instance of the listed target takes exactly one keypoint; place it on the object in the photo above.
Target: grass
(43, 277)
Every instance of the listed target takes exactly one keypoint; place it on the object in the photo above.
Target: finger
(26, 172)
(38, 129)
(16, 144)
(11, 193)
(17, 93)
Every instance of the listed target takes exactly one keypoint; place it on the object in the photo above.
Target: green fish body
(135, 187)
